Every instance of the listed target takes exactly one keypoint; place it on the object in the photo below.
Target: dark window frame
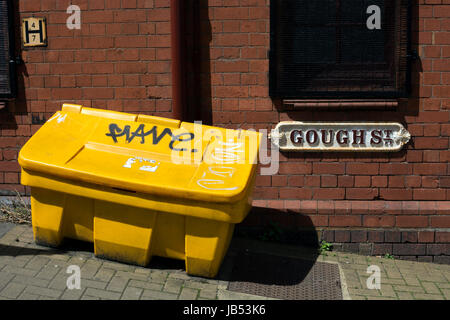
(275, 91)
(12, 61)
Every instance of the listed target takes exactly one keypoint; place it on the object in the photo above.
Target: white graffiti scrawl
(216, 176)
(213, 184)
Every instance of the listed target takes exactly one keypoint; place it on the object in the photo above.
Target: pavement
(32, 272)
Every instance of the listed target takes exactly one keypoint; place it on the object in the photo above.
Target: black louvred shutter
(323, 48)
(6, 67)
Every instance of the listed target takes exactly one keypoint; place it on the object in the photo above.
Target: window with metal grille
(339, 48)
(7, 84)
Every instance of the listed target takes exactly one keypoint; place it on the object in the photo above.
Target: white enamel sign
(335, 137)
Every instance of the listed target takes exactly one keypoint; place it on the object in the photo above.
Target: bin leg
(123, 233)
(47, 209)
(207, 242)
(79, 218)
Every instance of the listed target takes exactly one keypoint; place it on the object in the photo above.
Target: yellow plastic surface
(138, 186)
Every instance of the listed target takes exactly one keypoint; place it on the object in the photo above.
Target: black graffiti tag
(116, 132)
(180, 138)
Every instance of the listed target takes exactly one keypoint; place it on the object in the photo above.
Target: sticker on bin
(149, 168)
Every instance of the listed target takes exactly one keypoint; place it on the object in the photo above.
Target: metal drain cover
(285, 278)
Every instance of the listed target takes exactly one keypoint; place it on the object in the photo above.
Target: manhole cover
(285, 278)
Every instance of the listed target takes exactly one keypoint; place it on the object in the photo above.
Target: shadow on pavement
(271, 247)
(166, 264)
(269, 269)
(14, 251)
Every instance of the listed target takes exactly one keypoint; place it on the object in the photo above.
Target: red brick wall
(120, 60)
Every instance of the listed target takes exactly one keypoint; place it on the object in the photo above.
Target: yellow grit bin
(138, 186)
